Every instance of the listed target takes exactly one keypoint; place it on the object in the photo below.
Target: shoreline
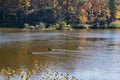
(64, 26)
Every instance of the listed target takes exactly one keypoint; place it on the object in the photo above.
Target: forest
(98, 13)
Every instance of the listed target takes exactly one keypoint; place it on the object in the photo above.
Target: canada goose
(50, 49)
(78, 47)
(30, 52)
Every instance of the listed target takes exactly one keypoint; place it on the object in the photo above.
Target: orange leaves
(83, 11)
(83, 19)
(83, 16)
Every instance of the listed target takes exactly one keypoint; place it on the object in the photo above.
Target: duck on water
(78, 47)
(50, 49)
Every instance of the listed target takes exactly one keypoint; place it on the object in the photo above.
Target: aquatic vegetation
(38, 73)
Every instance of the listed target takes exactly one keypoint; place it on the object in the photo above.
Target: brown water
(96, 57)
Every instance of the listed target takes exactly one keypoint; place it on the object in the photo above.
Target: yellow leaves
(3, 71)
(117, 15)
(33, 71)
(55, 3)
(13, 71)
(83, 19)
(73, 78)
(28, 3)
(107, 13)
(8, 71)
(25, 74)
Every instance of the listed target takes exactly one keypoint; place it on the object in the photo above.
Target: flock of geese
(51, 49)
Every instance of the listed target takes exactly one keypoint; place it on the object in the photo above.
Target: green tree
(112, 7)
(3, 8)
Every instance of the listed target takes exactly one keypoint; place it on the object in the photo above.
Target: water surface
(87, 54)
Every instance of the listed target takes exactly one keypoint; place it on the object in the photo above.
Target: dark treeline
(18, 12)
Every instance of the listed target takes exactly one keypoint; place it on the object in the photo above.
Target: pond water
(87, 54)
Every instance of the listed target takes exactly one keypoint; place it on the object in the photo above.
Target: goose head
(50, 49)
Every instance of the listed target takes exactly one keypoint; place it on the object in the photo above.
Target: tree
(3, 3)
(28, 3)
(117, 16)
(83, 17)
(112, 7)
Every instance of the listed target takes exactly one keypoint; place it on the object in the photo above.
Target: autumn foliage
(52, 11)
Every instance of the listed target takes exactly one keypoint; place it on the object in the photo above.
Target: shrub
(26, 26)
(56, 26)
(52, 27)
(114, 25)
(63, 26)
(60, 26)
(105, 25)
(97, 25)
(31, 27)
(37, 27)
(42, 25)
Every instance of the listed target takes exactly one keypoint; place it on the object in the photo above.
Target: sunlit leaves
(28, 3)
(83, 19)
(37, 73)
(117, 15)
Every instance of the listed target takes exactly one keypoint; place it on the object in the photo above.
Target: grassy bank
(62, 26)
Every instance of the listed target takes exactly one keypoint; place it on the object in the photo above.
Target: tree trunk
(4, 11)
(16, 17)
